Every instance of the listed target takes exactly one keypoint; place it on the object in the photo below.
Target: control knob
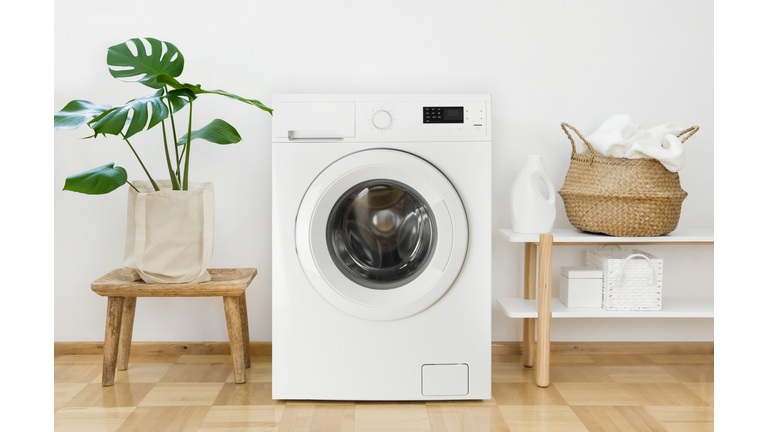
(382, 119)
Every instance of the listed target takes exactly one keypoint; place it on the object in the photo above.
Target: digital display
(443, 115)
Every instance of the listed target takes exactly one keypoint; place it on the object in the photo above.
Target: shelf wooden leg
(246, 335)
(545, 312)
(126, 333)
(235, 330)
(529, 324)
(111, 339)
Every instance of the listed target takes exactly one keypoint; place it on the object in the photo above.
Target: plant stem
(174, 180)
(175, 140)
(188, 147)
(154, 185)
(134, 187)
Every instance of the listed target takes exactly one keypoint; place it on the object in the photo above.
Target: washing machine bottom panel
(377, 374)
(319, 352)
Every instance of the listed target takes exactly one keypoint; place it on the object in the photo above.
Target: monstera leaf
(76, 113)
(97, 181)
(133, 61)
(217, 131)
(113, 121)
(174, 83)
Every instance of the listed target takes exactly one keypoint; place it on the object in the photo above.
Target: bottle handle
(547, 183)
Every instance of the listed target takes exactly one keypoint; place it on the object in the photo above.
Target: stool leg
(246, 335)
(529, 324)
(126, 333)
(545, 309)
(235, 330)
(111, 339)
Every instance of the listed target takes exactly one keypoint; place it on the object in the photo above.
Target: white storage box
(581, 287)
(631, 278)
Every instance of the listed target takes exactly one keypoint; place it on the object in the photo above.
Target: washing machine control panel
(388, 119)
(452, 114)
(424, 120)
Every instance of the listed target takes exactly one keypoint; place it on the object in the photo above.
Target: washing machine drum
(381, 234)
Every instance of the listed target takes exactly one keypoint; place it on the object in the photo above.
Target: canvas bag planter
(169, 234)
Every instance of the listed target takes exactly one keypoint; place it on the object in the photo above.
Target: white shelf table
(537, 304)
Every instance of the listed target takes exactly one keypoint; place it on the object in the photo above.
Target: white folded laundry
(620, 137)
(670, 152)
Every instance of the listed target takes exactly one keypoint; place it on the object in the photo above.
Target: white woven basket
(631, 278)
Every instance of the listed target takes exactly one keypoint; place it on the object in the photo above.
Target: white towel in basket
(620, 137)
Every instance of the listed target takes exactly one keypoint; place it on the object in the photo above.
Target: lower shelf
(675, 307)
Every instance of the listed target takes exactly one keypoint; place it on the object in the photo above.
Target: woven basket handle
(692, 130)
(573, 144)
(650, 264)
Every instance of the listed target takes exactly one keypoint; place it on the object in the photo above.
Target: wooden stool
(122, 290)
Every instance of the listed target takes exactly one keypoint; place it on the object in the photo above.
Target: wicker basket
(629, 283)
(621, 197)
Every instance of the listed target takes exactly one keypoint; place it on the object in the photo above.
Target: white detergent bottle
(531, 211)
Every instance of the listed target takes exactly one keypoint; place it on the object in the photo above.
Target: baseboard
(502, 352)
(160, 348)
(507, 351)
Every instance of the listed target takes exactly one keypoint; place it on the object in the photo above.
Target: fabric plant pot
(169, 234)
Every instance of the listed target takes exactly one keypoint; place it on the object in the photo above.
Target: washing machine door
(381, 234)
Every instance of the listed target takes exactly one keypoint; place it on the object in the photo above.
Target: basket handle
(601, 247)
(650, 264)
(573, 144)
(692, 130)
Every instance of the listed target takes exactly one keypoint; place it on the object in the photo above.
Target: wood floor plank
(567, 372)
(706, 391)
(570, 358)
(76, 372)
(621, 359)
(64, 392)
(691, 372)
(182, 394)
(258, 372)
(663, 394)
(617, 418)
(242, 418)
(582, 393)
(333, 418)
(639, 374)
(164, 419)
(542, 419)
(511, 372)
(391, 417)
(465, 418)
(683, 358)
(96, 395)
(80, 359)
(140, 373)
(90, 419)
(197, 372)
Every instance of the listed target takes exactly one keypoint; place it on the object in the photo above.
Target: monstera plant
(155, 64)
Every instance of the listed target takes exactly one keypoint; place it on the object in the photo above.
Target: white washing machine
(381, 243)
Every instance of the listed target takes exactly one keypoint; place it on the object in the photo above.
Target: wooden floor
(183, 393)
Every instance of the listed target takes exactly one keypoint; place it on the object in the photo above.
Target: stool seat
(122, 290)
(224, 282)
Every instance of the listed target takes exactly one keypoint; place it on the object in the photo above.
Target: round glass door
(381, 234)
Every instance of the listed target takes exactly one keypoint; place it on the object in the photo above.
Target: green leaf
(114, 120)
(97, 181)
(179, 98)
(217, 131)
(76, 113)
(197, 89)
(144, 67)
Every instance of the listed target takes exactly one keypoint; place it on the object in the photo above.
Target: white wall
(543, 62)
